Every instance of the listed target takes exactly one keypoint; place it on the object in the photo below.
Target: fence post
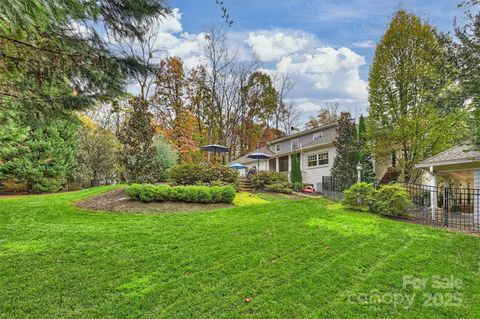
(476, 200)
(445, 206)
(433, 193)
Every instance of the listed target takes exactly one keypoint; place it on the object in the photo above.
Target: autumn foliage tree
(409, 93)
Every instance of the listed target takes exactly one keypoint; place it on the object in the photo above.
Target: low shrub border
(193, 194)
(388, 200)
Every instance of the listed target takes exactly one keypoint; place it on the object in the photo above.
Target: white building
(314, 147)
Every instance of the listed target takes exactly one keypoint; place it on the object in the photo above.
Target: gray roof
(245, 159)
(455, 155)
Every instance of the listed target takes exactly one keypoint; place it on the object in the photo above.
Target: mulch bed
(117, 201)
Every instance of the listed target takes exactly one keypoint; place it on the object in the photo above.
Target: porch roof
(454, 157)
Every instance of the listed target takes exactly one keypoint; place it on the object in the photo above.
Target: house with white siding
(314, 147)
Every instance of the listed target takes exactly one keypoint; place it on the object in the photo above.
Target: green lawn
(290, 259)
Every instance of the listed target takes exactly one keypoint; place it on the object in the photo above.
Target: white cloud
(364, 44)
(273, 45)
(327, 72)
(321, 73)
(171, 23)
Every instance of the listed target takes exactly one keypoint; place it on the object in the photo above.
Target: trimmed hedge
(203, 175)
(193, 194)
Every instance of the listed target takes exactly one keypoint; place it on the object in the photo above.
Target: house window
(323, 158)
(312, 160)
(277, 147)
(317, 159)
(295, 144)
(316, 136)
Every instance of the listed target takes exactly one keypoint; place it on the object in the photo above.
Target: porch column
(433, 193)
(289, 166)
(277, 165)
(476, 199)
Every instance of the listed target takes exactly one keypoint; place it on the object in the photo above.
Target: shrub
(298, 187)
(133, 191)
(264, 178)
(148, 193)
(392, 200)
(360, 196)
(296, 175)
(282, 187)
(183, 193)
(209, 175)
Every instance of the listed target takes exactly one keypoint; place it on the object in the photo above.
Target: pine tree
(45, 157)
(138, 154)
(347, 144)
(368, 172)
(296, 175)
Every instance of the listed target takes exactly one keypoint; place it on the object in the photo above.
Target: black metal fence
(446, 206)
(441, 206)
(333, 188)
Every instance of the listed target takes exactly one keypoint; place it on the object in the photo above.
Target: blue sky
(327, 46)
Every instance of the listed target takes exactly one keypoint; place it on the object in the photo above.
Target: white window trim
(318, 135)
(298, 143)
(317, 154)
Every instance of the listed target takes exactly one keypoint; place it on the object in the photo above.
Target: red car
(308, 189)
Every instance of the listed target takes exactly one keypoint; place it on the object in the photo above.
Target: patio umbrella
(258, 156)
(214, 148)
(237, 166)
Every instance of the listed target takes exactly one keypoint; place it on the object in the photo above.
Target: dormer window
(295, 144)
(277, 148)
(317, 136)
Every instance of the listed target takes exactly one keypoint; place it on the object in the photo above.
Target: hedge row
(192, 194)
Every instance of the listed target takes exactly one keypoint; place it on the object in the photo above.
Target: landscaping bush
(262, 179)
(188, 193)
(360, 196)
(298, 187)
(208, 175)
(392, 200)
(282, 187)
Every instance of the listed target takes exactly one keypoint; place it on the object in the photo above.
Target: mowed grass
(285, 259)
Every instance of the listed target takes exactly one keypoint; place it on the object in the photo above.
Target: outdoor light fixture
(359, 172)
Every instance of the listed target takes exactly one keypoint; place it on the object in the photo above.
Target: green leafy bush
(183, 193)
(208, 175)
(282, 187)
(360, 196)
(298, 187)
(392, 200)
(262, 179)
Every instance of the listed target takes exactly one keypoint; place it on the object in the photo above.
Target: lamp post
(359, 172)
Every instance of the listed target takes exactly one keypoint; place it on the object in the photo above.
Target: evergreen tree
(296, 175)
(166, 157)
(45, 157)
(347, 145)
(138, 154)
(368, 172)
